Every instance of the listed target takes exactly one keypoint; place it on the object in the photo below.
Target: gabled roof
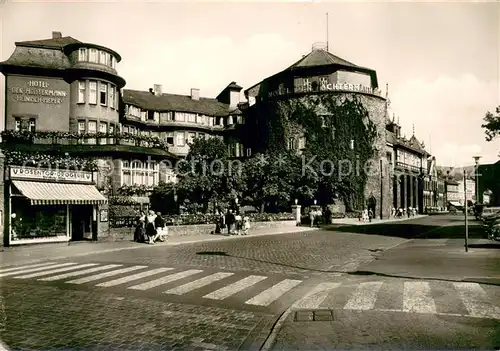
(174, 102)
(49, 43)
(319, 57)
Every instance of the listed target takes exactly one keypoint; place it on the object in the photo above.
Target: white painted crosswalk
(262, 291)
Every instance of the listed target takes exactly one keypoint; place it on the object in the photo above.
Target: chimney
(56, 35)
(195, 94)
(157, 89)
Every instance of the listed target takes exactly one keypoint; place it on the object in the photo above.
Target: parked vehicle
(491, 222)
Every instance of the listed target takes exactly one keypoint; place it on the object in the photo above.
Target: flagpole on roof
(327, 33)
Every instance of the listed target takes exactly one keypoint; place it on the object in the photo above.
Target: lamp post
(476, 176)
(466, 221)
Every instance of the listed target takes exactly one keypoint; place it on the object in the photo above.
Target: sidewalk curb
(383, 221)
(139, 246)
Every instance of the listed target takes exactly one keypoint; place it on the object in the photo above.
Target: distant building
(412, 186)
(470, 191)
(452, 193)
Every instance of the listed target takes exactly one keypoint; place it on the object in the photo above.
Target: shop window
(180, 139)
(81, 127)
(111, 128)
(93, 55)
(81, 92)
(170, 138)
(103, 96)
(191, 137)
(93, 92)
(32, 222)
(112, 96)
(82, 54)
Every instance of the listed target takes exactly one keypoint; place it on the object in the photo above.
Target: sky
(440, 60)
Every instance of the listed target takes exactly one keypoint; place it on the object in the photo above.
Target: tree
(208, 174)
(492, 124)
(270, 179)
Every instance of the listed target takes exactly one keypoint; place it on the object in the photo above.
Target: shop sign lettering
(309, 85)
(49, 174)
(37, 91)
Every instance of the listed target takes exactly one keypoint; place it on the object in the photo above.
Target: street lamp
(476, 161)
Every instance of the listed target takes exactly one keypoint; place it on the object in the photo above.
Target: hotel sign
(55, 174)
(322, 84)
(38, 91)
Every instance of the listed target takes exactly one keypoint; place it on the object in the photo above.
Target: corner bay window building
(65, 105)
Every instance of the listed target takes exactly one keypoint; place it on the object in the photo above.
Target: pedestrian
(238, 222)
(409, 212)
(246, 225)
(370, 215)
(150, 226)
(312, 215)
(230, 221)
(140, 229)
(161, 228)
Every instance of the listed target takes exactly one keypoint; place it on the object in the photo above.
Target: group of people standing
(232, 223)
(150, 228)
(403, 212)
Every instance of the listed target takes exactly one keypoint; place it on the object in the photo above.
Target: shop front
(51, 205)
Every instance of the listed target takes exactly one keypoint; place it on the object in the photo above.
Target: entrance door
(81, 222)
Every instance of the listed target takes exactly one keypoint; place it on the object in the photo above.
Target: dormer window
(103, 57)
(82, 54)
(93, 55)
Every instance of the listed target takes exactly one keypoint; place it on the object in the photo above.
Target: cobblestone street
(44, 317)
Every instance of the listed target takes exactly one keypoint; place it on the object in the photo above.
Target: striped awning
(41, 193)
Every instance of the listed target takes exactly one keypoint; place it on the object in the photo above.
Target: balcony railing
(68, 138)
(410, 167)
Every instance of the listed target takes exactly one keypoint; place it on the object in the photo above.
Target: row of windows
(178, 116)
(91, 127)
(135, 172)
(96, 56)
(179, 138)
(107, 93)
(28, 125)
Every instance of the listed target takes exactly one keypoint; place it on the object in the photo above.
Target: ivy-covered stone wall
(338, 129)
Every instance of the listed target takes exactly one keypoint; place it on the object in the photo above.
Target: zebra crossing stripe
(25, 267)
(52, 271)
(180, 290)
(316, 296)
(417, 298)
(165, 280)
(130, 278)
(270, 295)
(105, 275)
(37, 269)
(476, 301)
(234, 288)
(78, 273)
(364, 297)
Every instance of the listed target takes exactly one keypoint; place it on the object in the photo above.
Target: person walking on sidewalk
(150, 226)
(161, 229)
